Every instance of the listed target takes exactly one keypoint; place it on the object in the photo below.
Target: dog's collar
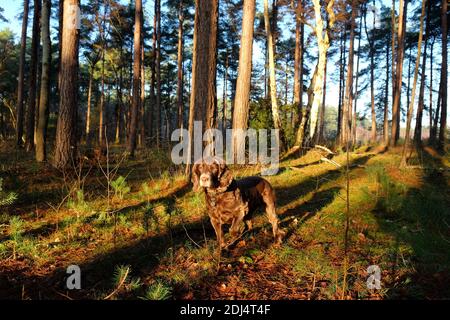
(219, 190)
(214, 192)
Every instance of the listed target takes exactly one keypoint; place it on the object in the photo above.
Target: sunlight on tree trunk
(41, 131)
(131, 146)
(242, 96)
(272, 77)
(20, 86)
(65, 129)
(413, 94)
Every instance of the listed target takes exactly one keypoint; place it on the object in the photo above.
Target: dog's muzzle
(205, 180)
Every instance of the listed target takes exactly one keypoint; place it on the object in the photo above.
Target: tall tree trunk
(60, 25)
(444, 28)
(413, 94)
(348, 97)
(66, 129)
(101, 126)
(298, 63)
(373, 132)
(89, 102)
(203, 101)
(356, 83)
(151, 109)
(180, 67)
(20, 95)
(315, 91)
(242, 97)
(158, 71)
(131, 146)
(31, 112)
(41, 131)
(341, 81)
(437, 113)
(408, 85)
(418, 129)
(393, 42)
(430, 108)
(274, 29)
(386, 99)
(272, 78)
(399, 71)
(225, 93)
(321, 132)
(142, 96)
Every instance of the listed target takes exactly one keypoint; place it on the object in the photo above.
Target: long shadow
(50, 228)
(143, 255)
(289, 209)
(97, 274)
(422, 223)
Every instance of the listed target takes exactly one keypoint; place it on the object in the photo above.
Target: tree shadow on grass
(144, 254)
(49, 228)
(423, 223)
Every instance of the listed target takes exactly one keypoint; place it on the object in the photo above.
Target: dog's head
(211, 173)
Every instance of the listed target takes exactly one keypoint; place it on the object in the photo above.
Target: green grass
(398, 220)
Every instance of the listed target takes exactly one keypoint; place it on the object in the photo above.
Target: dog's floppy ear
(195, 178)
(225, 176)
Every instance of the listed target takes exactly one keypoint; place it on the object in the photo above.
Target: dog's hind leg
(237, 227)
(273, 219)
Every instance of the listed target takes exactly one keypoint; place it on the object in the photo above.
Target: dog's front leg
(218, 229)
(237, 227)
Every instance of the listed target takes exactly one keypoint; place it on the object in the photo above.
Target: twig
(182, 223)
(118, 287)
(62, 294)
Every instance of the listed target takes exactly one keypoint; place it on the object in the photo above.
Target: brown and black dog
(231, 201)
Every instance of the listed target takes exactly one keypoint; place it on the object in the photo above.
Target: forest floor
(154, 240)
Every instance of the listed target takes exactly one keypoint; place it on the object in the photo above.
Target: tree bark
(418, 128)
(321, 132)
(225, 94)
(66, 130)
(203, 101)
(386, 99)
(430, 108)
(242, 97)
(31, 112)
(348, 97)
(356, 84)
(315, 91)
(131, 146)
(437, 113)
(89, 98)
(151, 109)
(393, 42)
(398, 75)
(413, 94)
(180, 67)
(142, 95)
(158, 71)
(272, 77)
(298, 63)
(341, 82)
(443, 124)
(373, 132)
(41, 131)
(20, 95)
(101, 126)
